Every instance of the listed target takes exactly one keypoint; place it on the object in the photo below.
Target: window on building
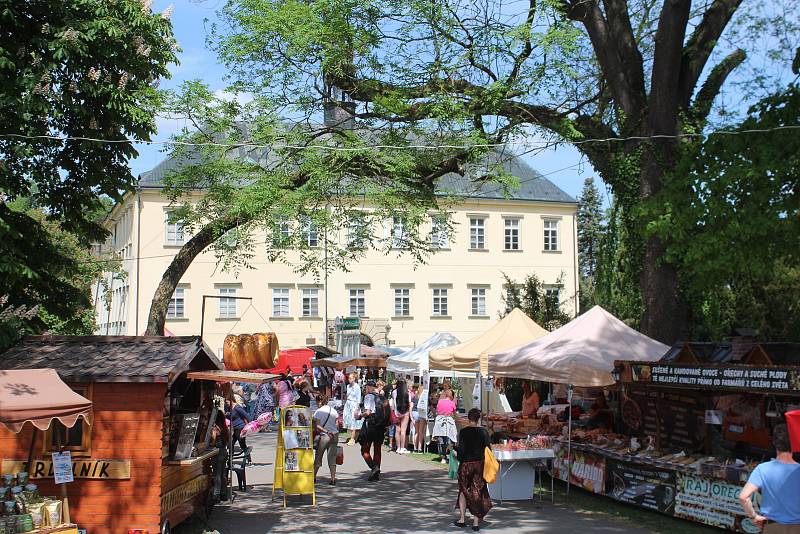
(174, 230)
(227, 305)
(281, 233)
(478, 301)
(402, 302)
(280, 302)
(440, 233)
(399, 238)
(511, 236)
(310, 234)
(310, 297)
(550, 234)
(177, 304)
(440, 301)
(553, 294)
(78, 439)
(356, 231)
(357, 303)
(477, 233)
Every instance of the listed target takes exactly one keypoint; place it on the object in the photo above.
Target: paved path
(412, 496)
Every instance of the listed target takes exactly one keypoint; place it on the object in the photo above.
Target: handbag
(394, 418)
(490, 466)
(452, 471)
(339, 455)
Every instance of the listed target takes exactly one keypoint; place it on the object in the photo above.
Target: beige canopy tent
(512, 330)
(581, 353)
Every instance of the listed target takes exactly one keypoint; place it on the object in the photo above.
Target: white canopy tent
(581, 353)
(415, 361)
(512, 330)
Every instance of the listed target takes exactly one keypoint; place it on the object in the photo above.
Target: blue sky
(563, 166)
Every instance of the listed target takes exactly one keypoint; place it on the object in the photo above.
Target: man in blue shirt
(778, 481)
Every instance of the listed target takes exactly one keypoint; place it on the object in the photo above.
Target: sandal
(332, 483)
(460, 524)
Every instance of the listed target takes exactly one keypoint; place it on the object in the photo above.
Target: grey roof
(532, 185)
(111, 358)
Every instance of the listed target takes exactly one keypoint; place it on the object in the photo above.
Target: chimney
(742, 341)
(339, 112)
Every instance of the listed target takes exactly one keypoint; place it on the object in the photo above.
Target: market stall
(371, 359)
(415, 361)
(144, 461)
(701, 421)
(37, 398)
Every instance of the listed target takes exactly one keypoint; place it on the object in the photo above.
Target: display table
(516, 478)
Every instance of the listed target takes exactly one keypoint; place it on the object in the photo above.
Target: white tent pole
(569, 436)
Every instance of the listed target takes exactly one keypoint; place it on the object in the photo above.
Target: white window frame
(281, 302)
(402, 302)
(550, 289)
(356, 231)
(227, 308)
(440, 233)
(310, 234)
(309, 301)
(357, 302)
(478, 301)
(281, 233)
(550, 235)
(511, 233)
(399, 239)
(440, 301)
(174, 232)
(477, 233)
(177, 303)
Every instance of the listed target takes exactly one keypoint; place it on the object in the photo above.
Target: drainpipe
(575, 268)
(138, 252)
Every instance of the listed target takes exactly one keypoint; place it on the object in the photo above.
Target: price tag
(62, 467)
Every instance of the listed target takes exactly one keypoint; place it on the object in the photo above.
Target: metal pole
(569, 436)
(325, 263)
(203, 308)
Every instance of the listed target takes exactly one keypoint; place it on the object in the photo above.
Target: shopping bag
(452, 471)
(339, 455)
(490, 466)
(793, 425)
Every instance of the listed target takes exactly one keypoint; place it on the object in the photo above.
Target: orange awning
(38, 396)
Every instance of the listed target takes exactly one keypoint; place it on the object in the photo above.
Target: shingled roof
(533, 186)
(111, 358)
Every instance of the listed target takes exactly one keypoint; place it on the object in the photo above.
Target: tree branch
(711, 87)
(663, 109)
(700, 45)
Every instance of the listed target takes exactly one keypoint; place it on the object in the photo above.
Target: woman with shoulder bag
(473, 493)
(402, 408)
(327, 435)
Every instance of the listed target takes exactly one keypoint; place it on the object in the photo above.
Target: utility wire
(398, 147)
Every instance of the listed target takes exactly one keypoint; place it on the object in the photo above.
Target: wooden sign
(186, 436)
(90, 468)
(186, 491)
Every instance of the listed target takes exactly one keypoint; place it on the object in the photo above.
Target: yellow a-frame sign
(294, 455)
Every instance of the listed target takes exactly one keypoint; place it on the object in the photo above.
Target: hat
(370, 383)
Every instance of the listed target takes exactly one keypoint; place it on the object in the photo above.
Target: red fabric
(793, 424)
(294, 359)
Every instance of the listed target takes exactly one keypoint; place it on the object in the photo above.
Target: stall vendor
(600, 414)
(530, 399)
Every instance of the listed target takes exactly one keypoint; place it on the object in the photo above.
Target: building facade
(458, 290)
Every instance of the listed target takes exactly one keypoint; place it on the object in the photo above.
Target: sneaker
(443, 461)
(375, 474)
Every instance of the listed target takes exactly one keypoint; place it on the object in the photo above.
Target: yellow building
(459, 290)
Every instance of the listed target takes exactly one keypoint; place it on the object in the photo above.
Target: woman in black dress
(472, 490)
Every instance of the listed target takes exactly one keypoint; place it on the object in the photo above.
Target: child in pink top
(445, 406)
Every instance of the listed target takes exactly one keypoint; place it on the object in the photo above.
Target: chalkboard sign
(643, 485)
(210, 426)
(186, 436)
(677, 418)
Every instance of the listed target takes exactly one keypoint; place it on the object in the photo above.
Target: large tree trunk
(180, 263)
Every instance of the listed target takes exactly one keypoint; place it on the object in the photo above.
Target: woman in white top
(402, 407)
(351, 405)
(328, 431)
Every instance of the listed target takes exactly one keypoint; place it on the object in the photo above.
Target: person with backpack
(375, 415)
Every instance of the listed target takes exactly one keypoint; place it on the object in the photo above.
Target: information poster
(645, 486)
(586, 470)
(713, 502)
(718, 377)
(62, 467)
